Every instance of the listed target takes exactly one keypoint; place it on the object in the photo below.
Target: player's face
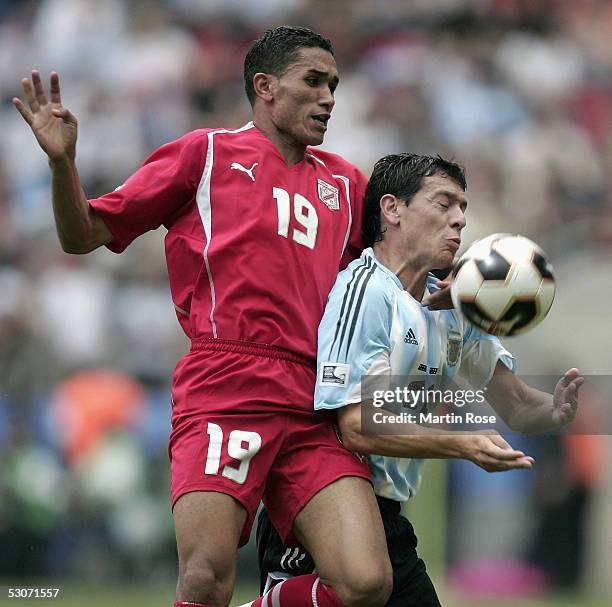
(304, 97)
(431, 224)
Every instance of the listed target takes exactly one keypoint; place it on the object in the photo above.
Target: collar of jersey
(369, 252)
(298, 165)
(431, 279)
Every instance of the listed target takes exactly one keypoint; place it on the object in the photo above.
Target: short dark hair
(276, 50)
(401, 175)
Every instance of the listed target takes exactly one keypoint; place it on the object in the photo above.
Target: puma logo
(239, 167)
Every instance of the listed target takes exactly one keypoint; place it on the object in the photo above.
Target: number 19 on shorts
(236, 449)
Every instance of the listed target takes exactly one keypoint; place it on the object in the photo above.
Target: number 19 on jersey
(303, 212)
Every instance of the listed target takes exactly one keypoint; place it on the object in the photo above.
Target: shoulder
(185, 154)
(194, 137)
(336, 163)
(364, 280)
(191, 141)
(359, 311)
(200, 142)
(199, 135)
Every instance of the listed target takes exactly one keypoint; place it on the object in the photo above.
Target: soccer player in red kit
(259, 225)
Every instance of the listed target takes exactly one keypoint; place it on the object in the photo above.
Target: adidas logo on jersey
(410, 338)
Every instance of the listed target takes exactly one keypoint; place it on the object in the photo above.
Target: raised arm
(488, 451)
(526, 409)
(79, 229)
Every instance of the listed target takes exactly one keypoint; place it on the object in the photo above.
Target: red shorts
(255, 447)
(284, 458)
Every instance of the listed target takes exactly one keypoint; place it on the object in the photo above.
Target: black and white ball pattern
(503, 284)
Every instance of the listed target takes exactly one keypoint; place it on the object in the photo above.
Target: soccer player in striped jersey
(376, 325)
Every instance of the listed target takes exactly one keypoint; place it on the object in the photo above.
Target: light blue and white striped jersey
(372, 326)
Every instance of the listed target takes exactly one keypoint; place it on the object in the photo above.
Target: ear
(389, 209)
(264, 85)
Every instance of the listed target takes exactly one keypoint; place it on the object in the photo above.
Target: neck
(409, 270)
(289, 149)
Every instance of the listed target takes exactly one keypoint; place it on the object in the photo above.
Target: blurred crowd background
(518, 91)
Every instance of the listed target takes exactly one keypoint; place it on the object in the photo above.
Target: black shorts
(412, 586)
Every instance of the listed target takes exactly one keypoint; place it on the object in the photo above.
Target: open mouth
(321, 119)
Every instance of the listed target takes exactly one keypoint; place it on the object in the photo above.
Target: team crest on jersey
(453, 348)
(328, 195)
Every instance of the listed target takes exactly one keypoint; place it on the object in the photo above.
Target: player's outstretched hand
(440, 300)
(492, 453)
(565, 397)
(53, 125)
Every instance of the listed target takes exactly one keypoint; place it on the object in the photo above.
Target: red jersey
(253, 246)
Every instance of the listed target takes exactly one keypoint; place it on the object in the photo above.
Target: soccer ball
(503, 284)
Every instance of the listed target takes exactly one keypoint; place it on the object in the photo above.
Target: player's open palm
(565, 397)
(492, 453)
(54, 126)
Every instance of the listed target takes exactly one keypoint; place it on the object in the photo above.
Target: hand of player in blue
(491, 452)
(565, 397)
(53, 125)
(439, 300)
